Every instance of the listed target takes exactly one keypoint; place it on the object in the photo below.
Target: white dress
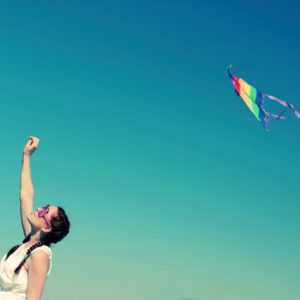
(13, 286)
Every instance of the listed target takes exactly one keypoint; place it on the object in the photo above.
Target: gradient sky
(174, 190)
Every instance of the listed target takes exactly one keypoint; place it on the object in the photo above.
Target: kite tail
(275, 116)
(286, 104)
(265, 116)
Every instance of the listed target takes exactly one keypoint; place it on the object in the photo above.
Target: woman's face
(41, 218)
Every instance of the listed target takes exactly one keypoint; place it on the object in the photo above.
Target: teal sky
(174, 190)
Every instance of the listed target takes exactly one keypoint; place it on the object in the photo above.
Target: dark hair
(60, 228)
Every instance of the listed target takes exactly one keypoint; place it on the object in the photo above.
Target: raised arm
(26, 186)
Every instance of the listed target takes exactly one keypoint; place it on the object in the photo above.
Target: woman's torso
(13, 286)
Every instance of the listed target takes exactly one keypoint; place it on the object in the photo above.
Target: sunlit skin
(37, 265)
(38, 223)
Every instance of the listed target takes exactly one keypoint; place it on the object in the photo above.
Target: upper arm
(38, 265)
(26, 207)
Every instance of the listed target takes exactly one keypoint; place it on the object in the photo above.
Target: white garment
(13, 286)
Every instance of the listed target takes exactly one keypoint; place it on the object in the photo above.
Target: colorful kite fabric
(255, 100)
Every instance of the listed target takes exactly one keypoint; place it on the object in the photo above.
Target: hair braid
(28, 252)
(14, 248)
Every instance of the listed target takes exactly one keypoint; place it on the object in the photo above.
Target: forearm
(26, 186)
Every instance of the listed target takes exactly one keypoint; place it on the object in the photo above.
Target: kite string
(168, 108)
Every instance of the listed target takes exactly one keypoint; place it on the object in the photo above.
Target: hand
(31, 146)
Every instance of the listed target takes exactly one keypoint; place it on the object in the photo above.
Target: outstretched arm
(26, 186)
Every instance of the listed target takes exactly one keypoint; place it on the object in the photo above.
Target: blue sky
(174, 190)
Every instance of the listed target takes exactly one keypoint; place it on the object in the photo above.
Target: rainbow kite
(255, 100)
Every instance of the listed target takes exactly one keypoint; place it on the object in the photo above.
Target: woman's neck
(34, 238)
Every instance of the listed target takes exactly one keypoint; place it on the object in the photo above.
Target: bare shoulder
(39, 254)
(39, 259)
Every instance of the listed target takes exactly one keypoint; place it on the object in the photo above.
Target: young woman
(24, 269)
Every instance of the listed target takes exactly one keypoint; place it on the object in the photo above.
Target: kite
(255, 100)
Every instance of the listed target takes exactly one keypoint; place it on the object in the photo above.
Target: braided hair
(60, 228)
(28, 252)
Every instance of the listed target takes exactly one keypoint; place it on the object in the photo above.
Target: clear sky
(174, 190)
